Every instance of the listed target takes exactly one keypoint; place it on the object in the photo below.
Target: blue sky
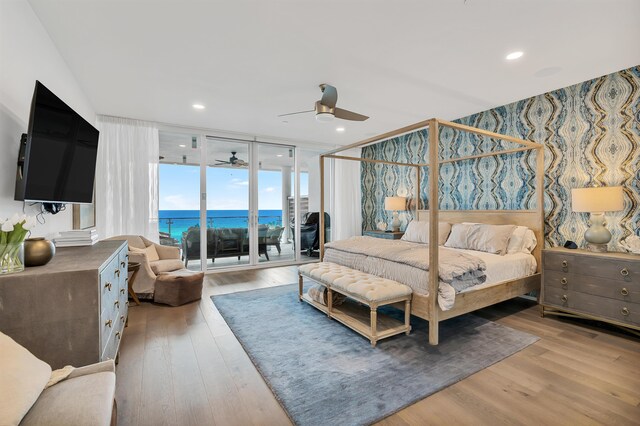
(227, 189)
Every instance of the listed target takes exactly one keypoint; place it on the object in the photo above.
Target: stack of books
(79, 237)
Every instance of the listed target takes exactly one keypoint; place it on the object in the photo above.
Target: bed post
(434, 276)
(417, 194)
(321, 208)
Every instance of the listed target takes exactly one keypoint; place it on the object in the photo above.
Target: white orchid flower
(29, 223)
(7, 226)
(15, 219)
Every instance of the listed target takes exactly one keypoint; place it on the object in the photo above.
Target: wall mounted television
(57, 158)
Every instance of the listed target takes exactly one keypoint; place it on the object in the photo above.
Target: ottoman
(178, 287)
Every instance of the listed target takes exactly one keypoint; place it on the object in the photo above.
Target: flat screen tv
(57, 159)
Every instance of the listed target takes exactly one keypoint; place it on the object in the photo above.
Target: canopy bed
(422, 304)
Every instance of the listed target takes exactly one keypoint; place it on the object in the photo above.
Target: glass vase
(11, 258)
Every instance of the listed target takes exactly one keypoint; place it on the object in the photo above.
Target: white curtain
(347, 220)
(127, 178)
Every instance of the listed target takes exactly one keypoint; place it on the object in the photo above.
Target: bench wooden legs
(329, 301)
(374, 326)
(300, 285)
(407, 316)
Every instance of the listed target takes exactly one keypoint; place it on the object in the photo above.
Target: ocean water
(175, 222)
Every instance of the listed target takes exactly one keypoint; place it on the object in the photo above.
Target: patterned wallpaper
(591, 133)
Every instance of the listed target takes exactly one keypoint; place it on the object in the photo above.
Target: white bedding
(499, 269)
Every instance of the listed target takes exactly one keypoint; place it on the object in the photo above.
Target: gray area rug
(326, 374)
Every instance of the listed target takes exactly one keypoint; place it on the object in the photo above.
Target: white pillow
(516, 242)
(22, 379)
(458, 236)
(418, 232)
(488, 238)
(529, 241)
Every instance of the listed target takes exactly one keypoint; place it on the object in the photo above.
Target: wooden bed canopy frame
(426, 307)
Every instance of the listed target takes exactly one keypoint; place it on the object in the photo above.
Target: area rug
(324, 373)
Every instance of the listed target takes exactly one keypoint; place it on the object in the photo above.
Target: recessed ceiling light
(514, 55)
(182, 145)
(279, 155)
(197, 106)
(339, 129)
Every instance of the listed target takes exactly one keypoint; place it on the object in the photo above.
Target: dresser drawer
(596, 306)
(109, 284)
(612, 269)
(613, 289)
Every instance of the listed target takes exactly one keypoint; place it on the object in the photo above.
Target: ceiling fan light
(324, 117)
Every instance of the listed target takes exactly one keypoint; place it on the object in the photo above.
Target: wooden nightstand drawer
(591, 265)
(613, 289)
(595, 306)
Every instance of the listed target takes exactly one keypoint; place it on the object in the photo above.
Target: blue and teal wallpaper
(591, 133)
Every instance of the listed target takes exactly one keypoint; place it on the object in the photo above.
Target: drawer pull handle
(563, 280)
(624, 272)
(122, 291)
(625, 311)
(108, 286)
(127, 256)
(116, 304)
(122, 318)
(122, 264)
(126, 303)
(624, 292)
(108, 323)
(118, 334)
(565, 263)
(564, 298)
(117, 272)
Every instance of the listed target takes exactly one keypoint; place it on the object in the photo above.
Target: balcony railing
(172, 228)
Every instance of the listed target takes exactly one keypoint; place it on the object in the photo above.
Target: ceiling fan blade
(329, 95)
(222, 161)
(294, 113)
(349, 115)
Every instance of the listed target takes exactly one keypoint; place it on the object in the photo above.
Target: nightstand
(384, 234)
(600, 286)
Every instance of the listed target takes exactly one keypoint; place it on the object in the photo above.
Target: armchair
(32, 395)
(310, 231)
(153, 258)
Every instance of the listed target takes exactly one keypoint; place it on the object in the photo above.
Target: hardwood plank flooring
(184, 366)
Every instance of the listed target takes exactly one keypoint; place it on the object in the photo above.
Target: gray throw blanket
(458, 269)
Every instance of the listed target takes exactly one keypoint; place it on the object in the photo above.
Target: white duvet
(498, 268)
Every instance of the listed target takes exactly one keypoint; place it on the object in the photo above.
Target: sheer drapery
(347, 220)
(127, 178)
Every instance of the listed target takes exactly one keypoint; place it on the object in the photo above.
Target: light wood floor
(183, 366)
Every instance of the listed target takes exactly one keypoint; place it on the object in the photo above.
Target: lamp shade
(601, 199)
(395, 203)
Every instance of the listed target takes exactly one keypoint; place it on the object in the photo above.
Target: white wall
(27, 54)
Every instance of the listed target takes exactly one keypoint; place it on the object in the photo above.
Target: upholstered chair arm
(167, 252)
(101, 367)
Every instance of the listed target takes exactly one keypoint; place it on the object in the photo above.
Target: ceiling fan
(326, 110)
(233, 161)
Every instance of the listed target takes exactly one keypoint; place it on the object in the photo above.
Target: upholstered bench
(178, 287)
(367, 289)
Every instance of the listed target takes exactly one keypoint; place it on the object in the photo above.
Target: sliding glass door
(228, 203)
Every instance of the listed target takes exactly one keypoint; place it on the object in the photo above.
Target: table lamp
(395, 204)
(597, 201)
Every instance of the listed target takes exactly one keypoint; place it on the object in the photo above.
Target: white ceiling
(398, 62)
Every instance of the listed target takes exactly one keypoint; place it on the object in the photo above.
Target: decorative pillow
(152, 253)
(488, 238)
(22, 380)
(516, 242)
(458, 236)
(529, 241)
(418, 232)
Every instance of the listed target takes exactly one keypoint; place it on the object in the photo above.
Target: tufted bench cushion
(366, 287)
